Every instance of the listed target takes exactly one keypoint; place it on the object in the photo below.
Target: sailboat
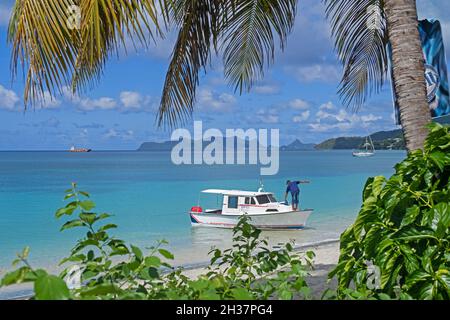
(368, 151)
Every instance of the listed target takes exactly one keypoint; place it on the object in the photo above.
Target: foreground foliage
(102, 267)
(398, 246)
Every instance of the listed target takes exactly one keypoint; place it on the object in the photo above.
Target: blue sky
(298, 95)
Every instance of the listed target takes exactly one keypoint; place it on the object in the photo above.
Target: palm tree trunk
(408, 70)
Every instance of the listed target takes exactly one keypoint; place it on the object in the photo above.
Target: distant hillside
(382, 140)
(157, 146)
(168, 145)
(297, 145)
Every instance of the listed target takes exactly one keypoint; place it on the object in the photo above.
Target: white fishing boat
(368, 151)
(264, 210)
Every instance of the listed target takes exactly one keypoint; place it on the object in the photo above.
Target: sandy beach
(327, 256)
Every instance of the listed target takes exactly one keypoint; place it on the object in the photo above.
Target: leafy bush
(398, 247)
(104, 267)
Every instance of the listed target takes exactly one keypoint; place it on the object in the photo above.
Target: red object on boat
(196, 209)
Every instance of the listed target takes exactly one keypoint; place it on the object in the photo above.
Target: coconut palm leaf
(198, 25)
(55, 54)
(43, 44)
(249, 42)
(106, 27)
(362, 49)
(245, 29)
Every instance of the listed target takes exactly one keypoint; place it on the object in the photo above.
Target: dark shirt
(293, 187)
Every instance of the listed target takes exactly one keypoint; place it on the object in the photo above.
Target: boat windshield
(265, 198)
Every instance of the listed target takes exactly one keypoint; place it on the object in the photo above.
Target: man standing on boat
(292, 187)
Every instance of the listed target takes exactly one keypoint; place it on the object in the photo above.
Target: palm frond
(54, 54)
(43, 44)
(249, 42)
(105, 28)
(361, 49)
(245, 29)
(198, 25)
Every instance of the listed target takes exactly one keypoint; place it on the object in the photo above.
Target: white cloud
(267, 117)
(131, 99)
(104, 103)
(134, 101)
(266, 89)
(341, 120)
(302, 117)
(119, 134)
(323, 127)
(298, 104)
(370, 118)
(49, 102)
(209, 100)
(327, 106)
(88, 104)
(8, 99)
(315, 73)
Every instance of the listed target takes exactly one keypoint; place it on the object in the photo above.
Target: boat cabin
(235, 202)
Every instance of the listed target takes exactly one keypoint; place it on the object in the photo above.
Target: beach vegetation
(399, 245)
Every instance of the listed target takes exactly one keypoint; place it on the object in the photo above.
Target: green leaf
(241, 294)
(84, 194)
(20, 275)
(87, 205)
(411, 234)
(107, 227)
(166, 254)
(50, 287)
(442, 210)
(411, 215)
(104, 216)
(100, 290)
(149, 273)
(72, 224)
(137, 252)
(88, 217)
(69, 195)
(68, 210)
(440, 159)
(152, 261)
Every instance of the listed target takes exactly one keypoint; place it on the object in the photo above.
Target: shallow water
(150, 197)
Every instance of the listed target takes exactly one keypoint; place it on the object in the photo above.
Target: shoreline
(327, 255)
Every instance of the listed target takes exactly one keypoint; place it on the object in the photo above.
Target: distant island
(383, 140)
(157, 146)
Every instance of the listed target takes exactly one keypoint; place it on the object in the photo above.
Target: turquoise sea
(150, 197)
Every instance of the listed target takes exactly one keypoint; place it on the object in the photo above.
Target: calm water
(150, 197)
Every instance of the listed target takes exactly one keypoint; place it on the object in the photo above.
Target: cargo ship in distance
(73, 149)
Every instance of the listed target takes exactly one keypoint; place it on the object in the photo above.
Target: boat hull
(363, 154)
(292, 220)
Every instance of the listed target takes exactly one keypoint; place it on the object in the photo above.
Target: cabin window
(272, 198)
(263, 199)
(253, 201)
(247, 200)
(232, 202)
